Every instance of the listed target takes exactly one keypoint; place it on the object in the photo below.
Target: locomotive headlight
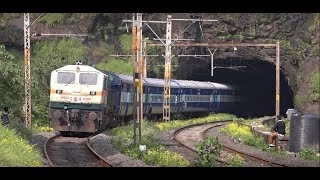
(65, 107)
(59, 91)
(93, 93)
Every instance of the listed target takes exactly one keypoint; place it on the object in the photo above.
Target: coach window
(88, 78)
(66, 78)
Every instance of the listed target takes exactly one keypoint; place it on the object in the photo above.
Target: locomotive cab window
(88, 78)
(66, 78)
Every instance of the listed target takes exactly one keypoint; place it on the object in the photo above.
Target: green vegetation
(225, 37)
(20, 128)
(230, 18)
(166, 126)
(116, 65)
(12, 82)
(105, 30)
(113, 64)
(239, 37)
(15, 150)
(6, 17)
(156, 154)
(302, 48)
(309, 153)
(208, 151)
(314, 92)
(252, 31)
(52, 19)
(244, 135)
(315, 87)
(261, 17)
(235, 160)
(315, 22)
(300, 100)
(103, 51)
(286, 45)
(123, 65)
(40, 126)
(126, 43)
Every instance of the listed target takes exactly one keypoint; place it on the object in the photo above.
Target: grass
(117, 66)
(243, 134)
(235, 160)
(166, 126)
(156, 154)
(309, 153)
(15, 151)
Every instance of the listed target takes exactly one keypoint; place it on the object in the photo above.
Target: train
(84, 99)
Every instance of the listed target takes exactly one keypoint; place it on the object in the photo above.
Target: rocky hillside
(298, 34)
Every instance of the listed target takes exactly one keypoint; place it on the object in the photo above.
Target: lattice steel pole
(137, 75)
(277, 79)
(140, 67)
(167, 72)
(27, 106)
(134, 64)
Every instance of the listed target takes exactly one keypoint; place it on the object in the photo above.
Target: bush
(208, 151)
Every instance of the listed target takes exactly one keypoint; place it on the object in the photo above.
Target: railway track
(191, 140)
(243, 154)
(72, 152)
(199, 133)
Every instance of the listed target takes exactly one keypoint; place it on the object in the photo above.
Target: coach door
(174, 100)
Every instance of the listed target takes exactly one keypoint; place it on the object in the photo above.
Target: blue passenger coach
(187, 98)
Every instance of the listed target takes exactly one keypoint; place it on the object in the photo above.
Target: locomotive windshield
(66, 78)
(88, 78)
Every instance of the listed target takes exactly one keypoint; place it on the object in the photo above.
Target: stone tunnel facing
(256, 80)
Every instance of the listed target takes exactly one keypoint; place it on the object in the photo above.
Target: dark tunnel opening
(256, 80)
